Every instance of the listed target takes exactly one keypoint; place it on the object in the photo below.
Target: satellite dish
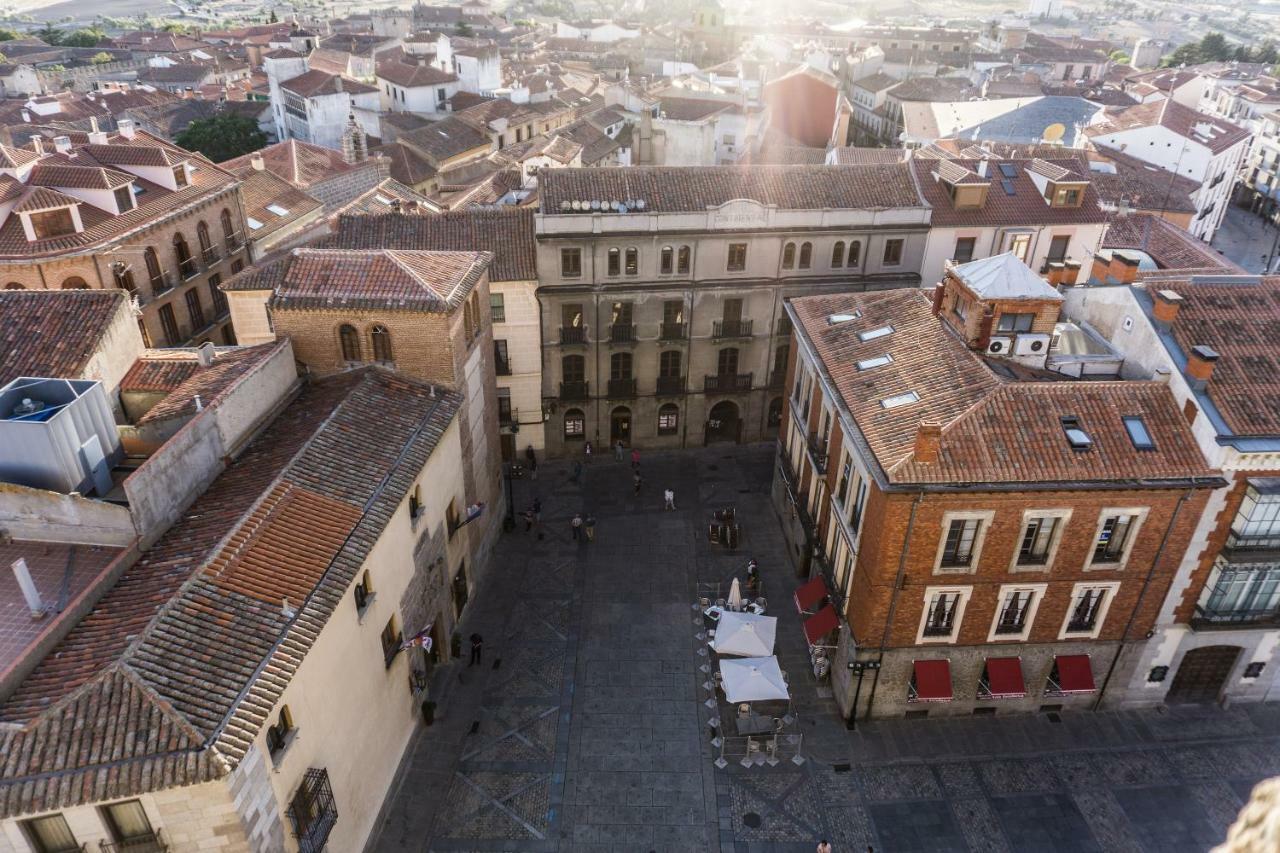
(565, 205)
(577, 205)
(1054, 132)
(595, 205)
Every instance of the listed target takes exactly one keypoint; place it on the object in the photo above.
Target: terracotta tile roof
(954, 173)
(260, 191)
(506, 233)
(691, 109)
(380, 198)
(120, 154)
(300, 163)
(1239, 318)
(159, 372)
(11, 158)
(44, 198)
(1219, 134)
(170, 678)
(877, 82)
(407, 166)
(445, 139)
(78, 177)
(315, 83)
(851, 156)
(666, 189)
(11, 188)
(389, 278)
(1142, 186)
(1168, 245)
(1052, 171)
(993, 431)
(54, 333)
(410, 75)
(211, 383)
(266, 274)
(1025, 206)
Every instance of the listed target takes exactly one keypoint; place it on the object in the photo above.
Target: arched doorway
(723, 423)
(620, 426)
(1202, 674)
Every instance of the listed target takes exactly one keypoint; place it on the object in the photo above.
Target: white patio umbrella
(745, 634)
(735, 596)
(752, 679)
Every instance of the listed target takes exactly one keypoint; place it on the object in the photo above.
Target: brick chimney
(256, 161)
(1100, 269)
(1123, 269)
(985, 325)
(1166, 307)
(1070, 273)
(1055, 274)
(1200, 364)
(938, 290)
(928, 442)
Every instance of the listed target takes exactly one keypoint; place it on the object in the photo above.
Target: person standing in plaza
(635, 459)
(824, 846)
(531, 460)
(477, 648)
(577, 525)
(589, 527)
(617, 451)
(639, 482)
(586, 451)
(669, 498)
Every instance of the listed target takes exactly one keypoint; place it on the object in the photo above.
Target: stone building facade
(661, 289)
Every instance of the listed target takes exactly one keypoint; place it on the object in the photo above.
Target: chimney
(29, 591)
(1200, 366)
(1099, 271)
(1057, 270)
(1166, 307)
(982, 167)
(125, 127)
(938, 290)
(928, 442)
(62, 144)
(1123, 269)
(93, 120)
(337, 82)
(205, 353)
(1161, 375)
(257, 162)
(26, 117)
(1070, 273)
(985, 325)
(199, 403)
(37, 143)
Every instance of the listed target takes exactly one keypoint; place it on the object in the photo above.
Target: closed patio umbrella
(752, 679)
(745, 634)
(735, 595)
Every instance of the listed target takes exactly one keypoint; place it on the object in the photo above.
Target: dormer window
(1076, 436)
(180, 175)
(52, 223)
(1065, 196)
(1138, 432)
(124, 199)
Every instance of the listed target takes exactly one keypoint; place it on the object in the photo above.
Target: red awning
(932, 681)
(810, 594)
(820, 624)
(1075, 675)
(1004, 678)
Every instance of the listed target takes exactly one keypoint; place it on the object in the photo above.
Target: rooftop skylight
(876, 361)
(872, 334)
(900, 400)
(1138, 432)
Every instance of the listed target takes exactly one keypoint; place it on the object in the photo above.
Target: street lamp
(858, 668)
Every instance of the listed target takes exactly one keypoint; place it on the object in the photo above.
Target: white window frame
(1037, 591)
(1063, 516)
(1139, 514)
(984, 518)
(1112, 588)
(929, 592)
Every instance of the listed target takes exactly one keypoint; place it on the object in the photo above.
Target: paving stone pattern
(587, 726)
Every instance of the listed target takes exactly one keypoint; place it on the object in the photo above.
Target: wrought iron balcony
(1207, 618)
(151, 842)
(574, 390)
(622, 333)
(622, 388)
(187, 268)
(313, 812)
(673, 332)
(784, 327)
(211, 255)
(728, 383)
(818, 453)
(670, 384)
(731, 329)
(573, 335)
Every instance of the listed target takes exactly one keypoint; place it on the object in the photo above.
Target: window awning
(820, 624)
(932, 681)
(1004, 678)
(1075, 675)
(810, 594)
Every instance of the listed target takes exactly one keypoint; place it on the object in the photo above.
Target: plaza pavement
(586, 728)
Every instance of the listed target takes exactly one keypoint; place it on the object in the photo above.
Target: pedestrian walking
(537, 510)
(528, 520)
(669, 498)
(824, 846)
(586, 451)
(635, 459)
(617, 451)
(477, 647)
(638, 482)
(577, 471)
(589, 526)
(577, 526)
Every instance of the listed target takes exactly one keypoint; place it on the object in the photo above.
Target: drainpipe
(893, 601)
(1146, 583)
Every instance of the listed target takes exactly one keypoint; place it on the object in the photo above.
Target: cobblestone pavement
(1246, 239)
(587, 727)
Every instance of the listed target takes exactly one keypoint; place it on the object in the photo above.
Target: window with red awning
(1002, 679)
(1070, 674)
(930, 681)
(808, 596)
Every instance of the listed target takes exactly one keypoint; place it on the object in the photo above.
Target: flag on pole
(473, 512)
(422, 638)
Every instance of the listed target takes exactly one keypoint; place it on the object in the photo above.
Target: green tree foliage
(222, 137)
(84, 38)
(8, 34)
(102, 58)
(1214, 47)
(464, 29)
(50, 34)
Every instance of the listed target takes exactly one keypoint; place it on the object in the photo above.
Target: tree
(84, 38)
(50, 34)
(1214, 48)
(8, 34)
(222, 137)
(464, 29)
(274, 19)
(1120, 57)
(102, 58)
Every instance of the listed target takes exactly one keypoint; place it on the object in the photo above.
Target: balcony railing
(313, 812)
(1080, 626)
(573, 335)
(574, 390)
(673, 332)
(931, 630)
(622, 333)
(502, 367)
(152, 842)
(1205, 618)
(161, 284)
(188, 269)
(1252, 542)
(728, 383)
(818, 454)
(784, 327)
(211, 255)
(507, 417)
(731, 329)
(670, 384)
(622, 388)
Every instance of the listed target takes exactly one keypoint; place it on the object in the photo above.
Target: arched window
(74, 282)
(837, 254)
(381, 340)
(855, 249)
(206, 245)
(620, 365)
(775, 412)
(682, 260)
(123, 276)
(615, 261)
(349, 340)
(789, 256)
(668, 256)
(155, 275)
(573, 368)
(228, 231)
(633, 262)
(13, 285)
(181, 251)
(575, 425)
(668, 419)
(806, 255)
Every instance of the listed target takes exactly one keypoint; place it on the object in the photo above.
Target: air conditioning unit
(1031, 345)
(1000, 346)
